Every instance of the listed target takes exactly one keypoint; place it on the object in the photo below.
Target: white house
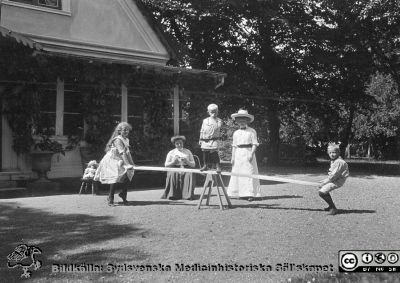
(117, 32)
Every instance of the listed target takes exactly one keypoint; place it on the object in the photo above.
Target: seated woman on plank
(179, 185)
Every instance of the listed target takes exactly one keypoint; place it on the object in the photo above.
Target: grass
(287, 225)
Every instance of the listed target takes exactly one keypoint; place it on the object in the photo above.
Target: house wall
(114, 30)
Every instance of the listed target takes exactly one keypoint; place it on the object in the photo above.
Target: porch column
(124, 104)
(9, 157)
(60, 108)
(176, 110)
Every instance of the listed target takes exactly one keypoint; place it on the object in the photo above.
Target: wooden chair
(86, 157)
(197, 161)
(85, 184)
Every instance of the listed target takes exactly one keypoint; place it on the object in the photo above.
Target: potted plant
(42, 152)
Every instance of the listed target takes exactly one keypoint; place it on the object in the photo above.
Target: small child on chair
(88, 175)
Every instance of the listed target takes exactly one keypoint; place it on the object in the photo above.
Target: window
(73, 118)
(70, 110)
(53, 4)
(47, 123)
(135, 113)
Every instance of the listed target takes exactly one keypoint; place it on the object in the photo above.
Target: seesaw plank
(197, 171)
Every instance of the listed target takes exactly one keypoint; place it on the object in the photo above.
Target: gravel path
(286, 226)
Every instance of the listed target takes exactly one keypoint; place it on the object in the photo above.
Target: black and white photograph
(200, 141)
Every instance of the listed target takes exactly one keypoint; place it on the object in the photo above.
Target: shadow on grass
(276, 206)
(63, 238)
(355, 211)
(269, 183)
(197, 197)
(145, 203)
(278, 197)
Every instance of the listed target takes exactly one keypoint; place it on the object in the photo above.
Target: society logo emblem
(25, 257)
(349, 261)
(392, 258)
(367, 258)
(380, 258)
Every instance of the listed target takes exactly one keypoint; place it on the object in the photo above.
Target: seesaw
(215, 179)
(255, 176)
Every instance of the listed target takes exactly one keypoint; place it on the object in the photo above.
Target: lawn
(287, 225)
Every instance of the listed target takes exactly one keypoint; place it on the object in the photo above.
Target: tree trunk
(348, 154)
(346, 136)
(273, 128)
(398, 145)
(370, 151)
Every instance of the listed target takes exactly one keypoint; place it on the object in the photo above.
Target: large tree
(291, 61)
(379, 122)
(239, 38)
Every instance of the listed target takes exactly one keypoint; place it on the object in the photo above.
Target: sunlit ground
(287, 225)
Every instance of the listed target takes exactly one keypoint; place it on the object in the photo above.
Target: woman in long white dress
(243, 160)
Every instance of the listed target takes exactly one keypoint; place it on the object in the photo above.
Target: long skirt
(244, 186)
(179, 186)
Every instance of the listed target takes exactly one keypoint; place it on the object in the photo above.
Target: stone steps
(14, 192)
(8, 184)
(14, 175)
(12, 184)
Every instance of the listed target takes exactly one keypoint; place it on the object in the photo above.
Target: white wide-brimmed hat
(244, 114)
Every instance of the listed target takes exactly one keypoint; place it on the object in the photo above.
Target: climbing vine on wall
(100, 86)
(20, 107)
(20, 103)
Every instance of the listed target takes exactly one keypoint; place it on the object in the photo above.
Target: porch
(82, 98)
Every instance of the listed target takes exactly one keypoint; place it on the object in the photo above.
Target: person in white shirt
(210, 135)
(337, 175)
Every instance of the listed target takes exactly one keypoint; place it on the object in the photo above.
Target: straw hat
(175, 138)
(243, 114)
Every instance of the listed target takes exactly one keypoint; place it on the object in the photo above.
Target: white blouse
(245, 136)
(184, 153)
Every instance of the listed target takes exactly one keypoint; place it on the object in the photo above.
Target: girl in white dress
(243, 158)
(116, 167)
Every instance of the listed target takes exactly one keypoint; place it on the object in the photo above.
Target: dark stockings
(205, 161)
(327, 197)
(122, 194)
(209, 160)
(113, 187)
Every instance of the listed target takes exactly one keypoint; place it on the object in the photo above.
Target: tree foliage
(300, 66)
(303, 68)
(382, 116)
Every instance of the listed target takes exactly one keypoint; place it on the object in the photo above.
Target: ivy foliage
(99, 84)
(20, 107)
(20, 102)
